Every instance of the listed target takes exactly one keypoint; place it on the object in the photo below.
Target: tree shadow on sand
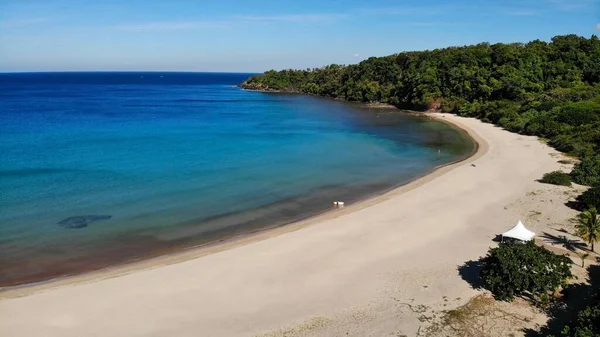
(575, 204)
(569, 244)
(498, 238)
(576, 297)
(470, 271)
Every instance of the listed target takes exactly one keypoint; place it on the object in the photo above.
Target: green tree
(523, 269)
(582, 256)
(588, 226)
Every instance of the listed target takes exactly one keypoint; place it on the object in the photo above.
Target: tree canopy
(523, 269)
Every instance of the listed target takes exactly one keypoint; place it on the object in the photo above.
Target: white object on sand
(519, 232)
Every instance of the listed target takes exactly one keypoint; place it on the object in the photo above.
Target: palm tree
(588, 226)
(582, 256)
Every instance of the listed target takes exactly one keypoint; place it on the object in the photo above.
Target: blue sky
(253, 36)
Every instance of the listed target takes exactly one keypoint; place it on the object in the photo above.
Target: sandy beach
(361, 270)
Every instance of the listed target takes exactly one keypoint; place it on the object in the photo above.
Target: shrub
(590, 198)
(557, 178)
(563, 143)
(587, 172)
(518, 269)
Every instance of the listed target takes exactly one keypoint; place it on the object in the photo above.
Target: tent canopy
(519, 232)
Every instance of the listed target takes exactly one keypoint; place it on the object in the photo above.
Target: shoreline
(178, 255)
(375, 268)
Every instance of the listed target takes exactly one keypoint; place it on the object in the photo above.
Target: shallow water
(101, 168)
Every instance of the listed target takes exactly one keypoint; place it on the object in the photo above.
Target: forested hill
(549, 89)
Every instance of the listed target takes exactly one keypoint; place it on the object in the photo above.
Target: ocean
(100, 168)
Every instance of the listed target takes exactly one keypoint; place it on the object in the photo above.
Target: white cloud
(523, 13)
(23, 22)
(172, 26)
(422, 24)
(408, 10)
(598, 27)
(228, 22)
(297, 18)
(574, 5)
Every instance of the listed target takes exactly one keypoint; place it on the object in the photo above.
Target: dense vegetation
(557, 178)
(523, 269)
(548, 89)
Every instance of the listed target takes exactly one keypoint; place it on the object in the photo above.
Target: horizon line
(128, 71)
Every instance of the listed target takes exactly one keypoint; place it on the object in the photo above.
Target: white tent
(519, 232)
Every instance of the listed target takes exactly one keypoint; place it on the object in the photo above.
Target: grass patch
(310, 325)
(533, 214)
(482, 316)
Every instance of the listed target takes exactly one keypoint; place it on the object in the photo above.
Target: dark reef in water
(82, 221)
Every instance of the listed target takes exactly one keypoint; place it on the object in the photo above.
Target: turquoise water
(101, 168)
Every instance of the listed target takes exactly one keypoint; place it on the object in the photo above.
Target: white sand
(364, 270)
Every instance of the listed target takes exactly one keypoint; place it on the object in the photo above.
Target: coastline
(181, 254)
(375, 268)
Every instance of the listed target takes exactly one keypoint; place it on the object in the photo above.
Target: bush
(518, 269)
(587, 172)
(557, 178)
(563, 143)
(590, 198)
(579, 113)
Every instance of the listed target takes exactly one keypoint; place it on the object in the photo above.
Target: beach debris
(338, 204)
(82, 221)
(473, 165)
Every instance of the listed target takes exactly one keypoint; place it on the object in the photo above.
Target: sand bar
(332, 275)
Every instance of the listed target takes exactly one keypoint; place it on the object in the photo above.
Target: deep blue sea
(102, 168)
